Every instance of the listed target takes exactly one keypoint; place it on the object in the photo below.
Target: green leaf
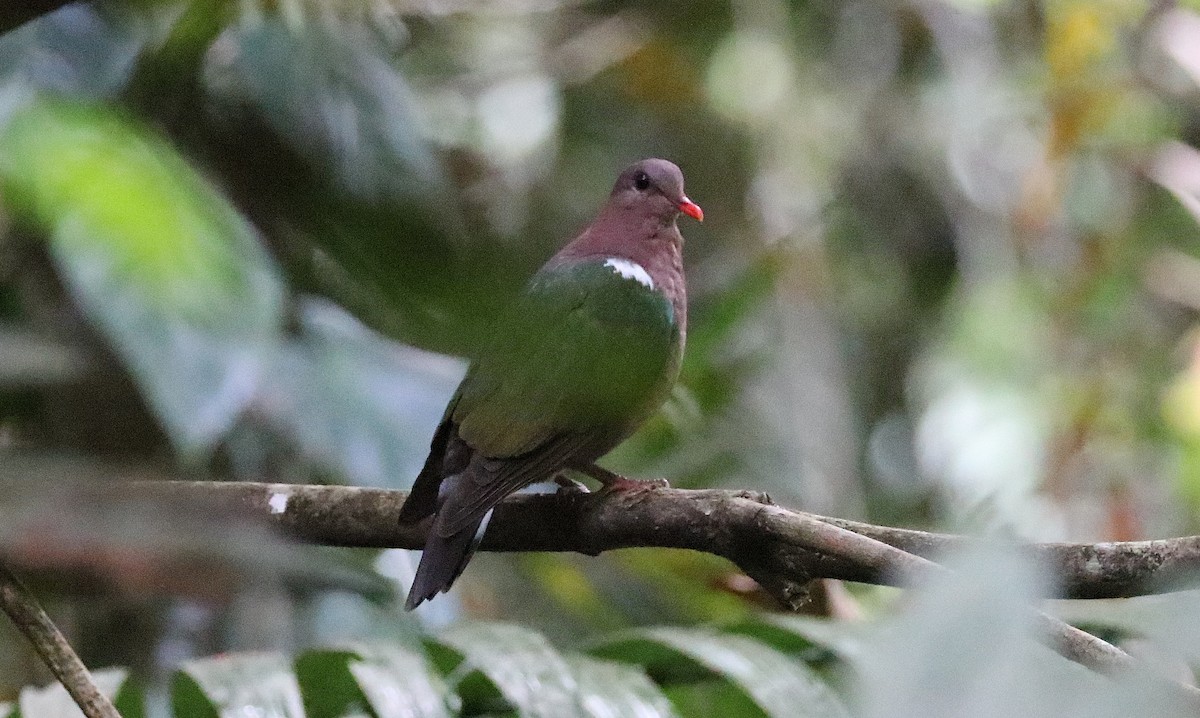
(712, 699)
(331, 93)
(53, 701)
(499, 664)
(82, 49)
(812, 639)
(154, 255)
(357, 403)
(238, 684)
(328, 689)
(383, 681)
(349, 167)
(971, 631)
(827, 647)
(778, 685)
(608, 689)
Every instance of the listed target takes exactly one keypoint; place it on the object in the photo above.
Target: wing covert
(584, 348)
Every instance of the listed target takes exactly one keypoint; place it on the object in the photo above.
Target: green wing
(583, 357)
(583, 349)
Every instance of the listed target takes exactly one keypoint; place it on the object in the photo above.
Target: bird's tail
(443, 560)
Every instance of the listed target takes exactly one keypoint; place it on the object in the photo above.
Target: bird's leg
(567, 485)
(616, 482)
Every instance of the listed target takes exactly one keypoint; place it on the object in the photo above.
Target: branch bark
(25, 611)
(741, 526)
(782, 549)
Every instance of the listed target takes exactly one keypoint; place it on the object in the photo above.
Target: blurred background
(949, 277)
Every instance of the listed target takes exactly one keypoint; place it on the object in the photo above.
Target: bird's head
(657, 186)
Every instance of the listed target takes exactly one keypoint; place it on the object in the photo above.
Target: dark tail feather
(442, 562)
(422, 500)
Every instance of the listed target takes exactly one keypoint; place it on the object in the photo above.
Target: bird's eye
(641, 181)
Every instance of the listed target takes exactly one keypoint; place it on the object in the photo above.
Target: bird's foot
(614, 482)
(567, 485)
(758, 497)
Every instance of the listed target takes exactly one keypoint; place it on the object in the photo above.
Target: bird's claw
(614, 482)
(758, 497)
(568, 485)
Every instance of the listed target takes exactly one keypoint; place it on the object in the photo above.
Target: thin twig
(1109, 569)
(1070, 642)
(25, 611)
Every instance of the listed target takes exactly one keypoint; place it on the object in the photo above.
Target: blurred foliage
(981, 653)
(949, 277)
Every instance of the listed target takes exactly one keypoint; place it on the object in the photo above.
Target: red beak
(691, 209)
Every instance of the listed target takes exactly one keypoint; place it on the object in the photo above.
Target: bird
(588, 351)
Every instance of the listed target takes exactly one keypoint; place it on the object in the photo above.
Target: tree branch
(1113, 569)
(726, 523)
(23, 608)
(781, 548)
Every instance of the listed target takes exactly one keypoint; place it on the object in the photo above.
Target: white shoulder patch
(630, 270)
